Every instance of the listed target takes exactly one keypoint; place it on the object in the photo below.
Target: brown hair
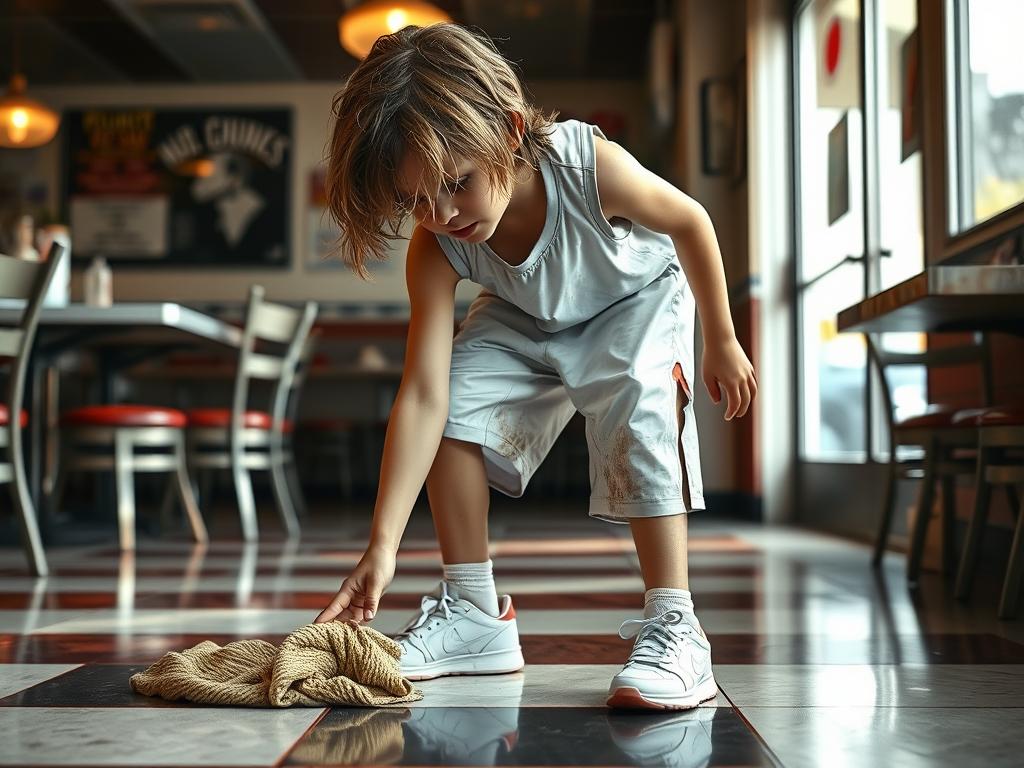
(441, 92)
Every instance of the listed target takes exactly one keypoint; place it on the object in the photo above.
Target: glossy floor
(819, 660)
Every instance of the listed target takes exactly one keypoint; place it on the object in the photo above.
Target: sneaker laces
(430, 606)
(654, 637)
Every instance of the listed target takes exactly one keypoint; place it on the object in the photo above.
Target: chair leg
(29, 528)
(924, 513)
(1011, 584)
(279, 483)
(125, 483)
(246, 501)
(188, 500)
(975, 529)
(55, 498)
(291, 473)
(888, 506)
(948, 524)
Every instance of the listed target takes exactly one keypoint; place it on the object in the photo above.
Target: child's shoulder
(572, 142)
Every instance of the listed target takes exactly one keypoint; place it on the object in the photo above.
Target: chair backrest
(27, 281)
(976, 354)
(287, 328)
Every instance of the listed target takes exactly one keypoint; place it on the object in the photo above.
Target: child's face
(466, 209)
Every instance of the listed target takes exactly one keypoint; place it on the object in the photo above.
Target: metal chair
(943, 442)
(244, 440)
(1000, 462)
(26, 281)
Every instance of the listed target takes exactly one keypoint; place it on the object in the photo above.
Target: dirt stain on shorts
(515, 439)
(622, 484)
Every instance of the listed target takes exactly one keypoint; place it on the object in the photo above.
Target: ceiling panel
(97, 41)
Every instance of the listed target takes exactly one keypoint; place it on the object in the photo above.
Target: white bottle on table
(98, 284)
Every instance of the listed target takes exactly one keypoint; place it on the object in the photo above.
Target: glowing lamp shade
(23, 122)
(359, 28)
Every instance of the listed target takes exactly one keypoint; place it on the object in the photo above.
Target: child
(585, 307)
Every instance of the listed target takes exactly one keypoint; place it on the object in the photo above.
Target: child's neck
(524, 217)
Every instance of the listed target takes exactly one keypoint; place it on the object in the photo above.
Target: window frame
(957, 174)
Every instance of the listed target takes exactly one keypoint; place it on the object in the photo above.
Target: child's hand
(360, 593)
(726, 367)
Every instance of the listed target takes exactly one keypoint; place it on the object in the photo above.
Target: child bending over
(591, 268)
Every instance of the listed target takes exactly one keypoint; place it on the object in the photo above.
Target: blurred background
(840, 146)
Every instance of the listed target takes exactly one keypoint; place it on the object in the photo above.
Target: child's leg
(661, 548)
(459, 501)
(450, 637)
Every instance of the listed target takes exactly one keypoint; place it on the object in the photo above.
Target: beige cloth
(316, 665)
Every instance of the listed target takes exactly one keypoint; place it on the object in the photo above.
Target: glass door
(830, 230)
(858, 231)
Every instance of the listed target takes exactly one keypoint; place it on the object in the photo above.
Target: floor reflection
(529, 736)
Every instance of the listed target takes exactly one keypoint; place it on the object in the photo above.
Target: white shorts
(514, 388)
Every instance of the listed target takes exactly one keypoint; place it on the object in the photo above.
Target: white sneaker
(669, 667)
(454, 637)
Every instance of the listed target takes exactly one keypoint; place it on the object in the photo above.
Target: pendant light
(23, 122)
(359, 27)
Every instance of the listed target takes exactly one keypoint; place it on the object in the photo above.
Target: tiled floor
(819, 660)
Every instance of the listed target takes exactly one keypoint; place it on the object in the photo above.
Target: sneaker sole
(493, 663)
(628, 697)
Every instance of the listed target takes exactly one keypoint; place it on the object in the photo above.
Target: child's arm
(414, 428)
(630, 191)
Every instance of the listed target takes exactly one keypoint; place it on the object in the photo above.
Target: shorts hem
(622, 511)
(489, 440)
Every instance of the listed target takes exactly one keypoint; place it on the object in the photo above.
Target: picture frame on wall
(839, 169)
(202, 187)
(723, 124)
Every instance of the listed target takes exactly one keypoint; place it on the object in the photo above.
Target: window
(987, 109)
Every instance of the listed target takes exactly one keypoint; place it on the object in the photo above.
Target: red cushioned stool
(109, 437)
(1000, 462)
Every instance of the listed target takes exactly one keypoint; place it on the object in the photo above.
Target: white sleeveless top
(582, 263)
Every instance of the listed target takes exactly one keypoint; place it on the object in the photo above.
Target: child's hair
(441, 92)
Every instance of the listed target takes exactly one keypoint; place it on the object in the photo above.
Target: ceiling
(183, 41)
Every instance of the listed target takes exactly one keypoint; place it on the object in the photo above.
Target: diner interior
(196, 387)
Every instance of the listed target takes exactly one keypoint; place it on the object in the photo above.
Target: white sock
(473, 582)
(657, 601)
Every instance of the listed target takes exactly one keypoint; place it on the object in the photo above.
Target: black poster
(198, 187)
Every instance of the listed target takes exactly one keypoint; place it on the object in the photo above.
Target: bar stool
(243, 440)
(25, 281)
(1000, 462)
(129, 439)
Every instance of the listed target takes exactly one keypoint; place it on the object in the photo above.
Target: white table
(120, 336)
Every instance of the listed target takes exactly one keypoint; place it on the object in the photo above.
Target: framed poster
(721, 135)
(838, 170)
(197, 187)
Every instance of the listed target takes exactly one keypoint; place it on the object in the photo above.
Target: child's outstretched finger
(336, 607)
